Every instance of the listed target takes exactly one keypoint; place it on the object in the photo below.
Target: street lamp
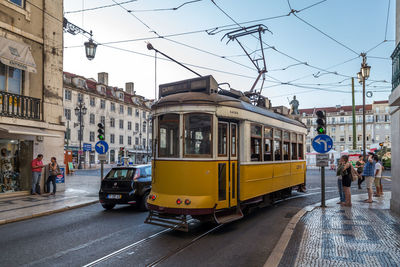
(80, 110)
(90, 48)
(362, 76)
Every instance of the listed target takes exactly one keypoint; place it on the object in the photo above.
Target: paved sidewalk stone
(363, 235)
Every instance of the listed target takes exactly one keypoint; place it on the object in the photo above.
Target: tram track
(180, 248)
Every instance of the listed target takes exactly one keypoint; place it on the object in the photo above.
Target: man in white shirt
(378, 176)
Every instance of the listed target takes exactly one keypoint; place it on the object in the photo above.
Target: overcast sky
(307, 50)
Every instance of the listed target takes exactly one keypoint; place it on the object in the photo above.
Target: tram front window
(168, 136)
(198, 138)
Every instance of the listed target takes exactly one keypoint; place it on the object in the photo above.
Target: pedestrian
(54, 170)
(36, 165)
(360, 167)
(378, 176)
(339, 170)
(346, 179)
(369, 174)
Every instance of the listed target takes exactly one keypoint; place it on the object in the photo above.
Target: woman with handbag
(54, 170)
(346, 179)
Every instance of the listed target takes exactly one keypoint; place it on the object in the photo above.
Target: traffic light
(321, 122)
(101, 136)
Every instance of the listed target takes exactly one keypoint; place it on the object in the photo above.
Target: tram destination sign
(322, 160)
(205, 84)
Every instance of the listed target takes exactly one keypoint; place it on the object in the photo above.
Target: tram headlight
(187, 201)
(178, 201)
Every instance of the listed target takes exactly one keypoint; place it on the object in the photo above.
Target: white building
(394, 102)
(340, 125)
(126, 117)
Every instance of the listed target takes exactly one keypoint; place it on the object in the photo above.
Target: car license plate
(112, 196)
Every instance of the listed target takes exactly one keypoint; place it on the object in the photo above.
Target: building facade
(394, 102)
(340, 125)
(31, 61)
(125, 115)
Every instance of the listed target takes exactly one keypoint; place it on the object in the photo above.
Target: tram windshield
(198, 138)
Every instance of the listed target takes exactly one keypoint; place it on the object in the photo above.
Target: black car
(126, 185)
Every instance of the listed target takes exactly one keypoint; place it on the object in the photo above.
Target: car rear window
(120, 174)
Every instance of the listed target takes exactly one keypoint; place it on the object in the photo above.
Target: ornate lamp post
(80, 110)
(362, 76)
(90, 46)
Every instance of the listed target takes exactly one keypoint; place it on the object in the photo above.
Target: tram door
(227, 165)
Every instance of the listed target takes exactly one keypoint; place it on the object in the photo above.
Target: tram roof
(196, 98)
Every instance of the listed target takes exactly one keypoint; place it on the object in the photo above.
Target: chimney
(130, 88)
(102, 78)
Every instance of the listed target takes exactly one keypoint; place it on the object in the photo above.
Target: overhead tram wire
(387, 19)
(98, 7)
(166, 9)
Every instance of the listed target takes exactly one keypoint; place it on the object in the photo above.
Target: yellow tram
(215, 153)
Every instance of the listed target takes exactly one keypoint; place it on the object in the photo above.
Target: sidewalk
(363, 235)
(81, 190)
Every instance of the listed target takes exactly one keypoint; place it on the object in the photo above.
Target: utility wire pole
(354, 115)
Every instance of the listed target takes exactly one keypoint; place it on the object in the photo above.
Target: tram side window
(301, 148)
(168, 136)
(293, 146)
(286, 145)
(198, 138)
(255, 143)
(277, 144)
(222, 139)
(268, 143)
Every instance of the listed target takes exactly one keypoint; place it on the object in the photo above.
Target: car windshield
(121, 174)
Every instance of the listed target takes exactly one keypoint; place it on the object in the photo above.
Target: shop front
(15, 168)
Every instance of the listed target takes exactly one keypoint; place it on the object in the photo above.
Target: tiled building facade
(126, 117)
(340, 125)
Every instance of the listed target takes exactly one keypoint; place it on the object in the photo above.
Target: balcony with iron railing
(396, 67)
(19, 106)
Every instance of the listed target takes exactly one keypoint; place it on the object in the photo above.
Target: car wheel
(108, 206)
(143, 202)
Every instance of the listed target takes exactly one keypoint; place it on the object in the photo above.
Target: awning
(17, 55)
(26, 131)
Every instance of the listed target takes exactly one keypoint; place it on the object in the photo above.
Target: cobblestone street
(364, 235)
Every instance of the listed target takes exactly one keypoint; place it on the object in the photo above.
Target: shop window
(255, 142)
(268, 144)
(15, 167)
(168, 135)
(11, 79)
(197, 135)
(222, 139)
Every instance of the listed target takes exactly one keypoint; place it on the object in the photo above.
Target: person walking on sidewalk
(378, 177)
(36, 165)
(346, 179)
(369, 174)
(54, 170)
(360, 167)
(339, 171)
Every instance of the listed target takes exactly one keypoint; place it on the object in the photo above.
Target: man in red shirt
(36, 166)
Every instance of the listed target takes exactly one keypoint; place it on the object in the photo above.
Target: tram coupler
(176, 222)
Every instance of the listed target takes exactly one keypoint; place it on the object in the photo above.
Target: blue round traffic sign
(322, 143)
(101, 147)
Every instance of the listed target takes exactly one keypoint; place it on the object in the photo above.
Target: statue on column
(294, 106)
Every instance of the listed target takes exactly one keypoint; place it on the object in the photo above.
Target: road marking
(93, 263)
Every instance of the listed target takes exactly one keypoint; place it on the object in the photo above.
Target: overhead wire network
(224, 28)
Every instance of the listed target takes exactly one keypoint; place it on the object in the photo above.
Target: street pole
(354, 115)
(364, 137)
(80, 139)
(323, 187)
(101, 169)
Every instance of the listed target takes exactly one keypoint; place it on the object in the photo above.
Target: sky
(311, 52)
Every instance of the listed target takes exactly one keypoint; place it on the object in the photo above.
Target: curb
(49, 212)
(277, 253)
